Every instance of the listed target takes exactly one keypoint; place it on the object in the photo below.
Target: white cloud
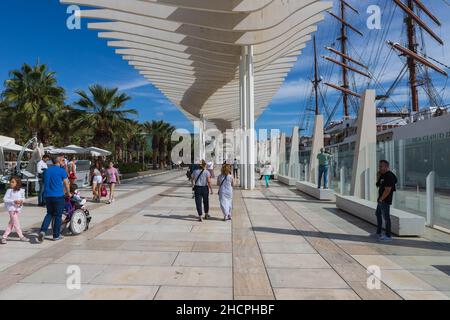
(292, 91)
(138, 83)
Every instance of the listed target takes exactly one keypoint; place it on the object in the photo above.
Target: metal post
(430, 198)
(306, 172)
(342, 180)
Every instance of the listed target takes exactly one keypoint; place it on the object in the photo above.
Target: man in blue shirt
(55, 181)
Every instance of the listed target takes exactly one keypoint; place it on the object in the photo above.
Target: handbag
(221, 184)
(104, 191)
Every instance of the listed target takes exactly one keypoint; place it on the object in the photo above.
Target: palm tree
(67, 128)
(103, 112)
(165, 140)
(155, 129)
(34, 96)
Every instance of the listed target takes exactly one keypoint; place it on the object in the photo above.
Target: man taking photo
(386, 187)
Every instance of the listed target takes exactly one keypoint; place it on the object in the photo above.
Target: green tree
(155, 129)
(103, 112)
(33, 96)
(165, 144)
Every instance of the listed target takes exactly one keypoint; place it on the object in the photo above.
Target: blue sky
(36, 31)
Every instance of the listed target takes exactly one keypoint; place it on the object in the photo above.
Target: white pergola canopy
(191, 49)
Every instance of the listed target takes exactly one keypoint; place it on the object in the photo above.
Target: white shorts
(97, 179)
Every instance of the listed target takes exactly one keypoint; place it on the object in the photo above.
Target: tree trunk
(154, 159)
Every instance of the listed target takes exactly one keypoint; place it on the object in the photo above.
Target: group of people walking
(100, 177)
(201, 179)
(56, 183)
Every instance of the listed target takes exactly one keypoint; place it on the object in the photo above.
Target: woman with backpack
(225, 181)
(201, 181)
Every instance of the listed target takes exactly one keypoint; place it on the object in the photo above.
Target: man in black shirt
(386, 188)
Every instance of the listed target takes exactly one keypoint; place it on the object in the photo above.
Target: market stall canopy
(77, 149)
(97, 152)
(57, 151)
(9, 144)
(191, 49)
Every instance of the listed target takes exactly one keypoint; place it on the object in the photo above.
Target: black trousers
(235, 173)
(384, 212)
(201, 195)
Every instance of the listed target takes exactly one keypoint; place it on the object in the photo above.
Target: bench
(287, 180)
(312, 190)
(404, 224)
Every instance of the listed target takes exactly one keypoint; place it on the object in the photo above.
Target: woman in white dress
(226, 183)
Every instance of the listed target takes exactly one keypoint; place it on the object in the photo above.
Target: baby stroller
(76, 218)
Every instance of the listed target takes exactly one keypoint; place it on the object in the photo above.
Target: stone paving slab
(137, 258)
(194, 293)
(171, 276)
(204, 259)
(315, 294)
(27, 291)
(306, 279)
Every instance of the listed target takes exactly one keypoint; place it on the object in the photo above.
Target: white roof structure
(77, 149)
(97, 152)
(9, 144)
(191, 49)
(57, 151)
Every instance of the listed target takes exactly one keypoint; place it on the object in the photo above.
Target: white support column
(203, 139)
(251, 144)
(282, 155)
(294, 160)
(364, 163)
(243, 113)
(317, 144)
(274, 146)
(431, 182)
(198, 140)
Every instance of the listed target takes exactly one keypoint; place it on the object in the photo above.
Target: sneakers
(3, 241)
(200, 219)
(41, 236)
(375, 235)
(207, 216)
(385, 239)
(24, 239)
(58, 239)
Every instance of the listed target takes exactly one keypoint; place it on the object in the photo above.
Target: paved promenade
(280, 245)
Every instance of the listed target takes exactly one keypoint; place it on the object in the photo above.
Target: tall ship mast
(355, 74)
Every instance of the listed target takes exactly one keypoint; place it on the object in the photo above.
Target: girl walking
(225, 181)
(267, 173)
(112, 176)
(97, 181)
(14, 199)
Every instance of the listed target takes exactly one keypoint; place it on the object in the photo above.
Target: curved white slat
(190, 50)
